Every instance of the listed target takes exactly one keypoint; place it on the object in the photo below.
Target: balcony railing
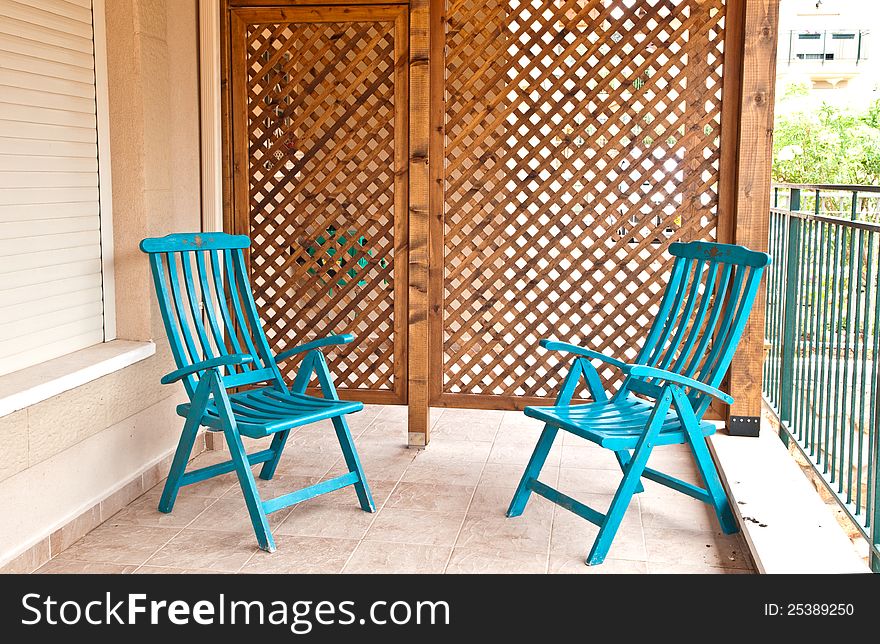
(821, 47)
(823, 326)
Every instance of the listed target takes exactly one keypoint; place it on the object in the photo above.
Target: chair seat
(614, 424)
(264, 411)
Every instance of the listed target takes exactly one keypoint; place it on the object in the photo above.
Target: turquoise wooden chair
(666, 391)
(218, 343)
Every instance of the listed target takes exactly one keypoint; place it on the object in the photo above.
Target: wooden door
(319, 155)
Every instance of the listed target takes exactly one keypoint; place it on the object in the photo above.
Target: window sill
(35, 384)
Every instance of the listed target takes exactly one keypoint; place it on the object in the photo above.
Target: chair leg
(178, 465)
(300, 383)
(533, 469)
(630, 481)
(278, 443)
(623, 458)
(705, 464)
(242, 467)
(184, 447)
(354, 464)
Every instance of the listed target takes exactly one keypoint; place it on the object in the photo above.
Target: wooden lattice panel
(323, 144)
(582, 137)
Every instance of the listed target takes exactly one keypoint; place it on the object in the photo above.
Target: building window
(56, 291)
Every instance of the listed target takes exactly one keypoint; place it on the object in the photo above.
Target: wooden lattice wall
(518, 172)
(581, 138)
(321, 106)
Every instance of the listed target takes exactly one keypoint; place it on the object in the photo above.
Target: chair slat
(207, 296)
(228, 324)
(716, 301)
(697, 327)
(195, 306)
(166, 307)
(685, 323)
(709, 369)
(231, 283)
(248, 294)
(669, 322)
(662, 313)
(179, 310)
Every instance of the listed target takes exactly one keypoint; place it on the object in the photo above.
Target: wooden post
(419, 221)
(751, 215)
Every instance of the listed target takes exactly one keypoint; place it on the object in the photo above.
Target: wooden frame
(105, 193)
(748, 76)
(760, 25)
(211, 114)
(236, 214)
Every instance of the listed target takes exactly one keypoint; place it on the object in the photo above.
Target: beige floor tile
(520, 534)
(315, 439)
(442, 451)
(520, 453)
(71, 567)
(451, 428)
(508, 476)
(159, 570)
(496, 560)
(365, 416)
(335, 521)
(431, 497)
(144, 511)
(376, 557)
(575, 482)
(230, 514)
(679, 569)
(396, 429)
(400, 525)
(494, 501)
(487, 417)
(571, 565)
(401, 412)
(302, 555)
(678, 512)
(574, 536)
(685, 548)
(206, 550)
(307, 462)
(588, 456)
(119, 544)
(457, 473)
(382, 435)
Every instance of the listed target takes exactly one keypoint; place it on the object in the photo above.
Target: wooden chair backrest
(207, 305)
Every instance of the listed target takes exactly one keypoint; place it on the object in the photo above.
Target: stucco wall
(71, 452)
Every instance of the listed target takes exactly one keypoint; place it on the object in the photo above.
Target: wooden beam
(437, 198)
(754, 152)
(419, 224)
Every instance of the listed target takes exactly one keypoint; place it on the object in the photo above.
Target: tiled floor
(440, 510)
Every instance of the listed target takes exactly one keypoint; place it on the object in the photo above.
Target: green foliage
(829, 145)
(795, 90)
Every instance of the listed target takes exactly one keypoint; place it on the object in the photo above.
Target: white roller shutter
(51, 280)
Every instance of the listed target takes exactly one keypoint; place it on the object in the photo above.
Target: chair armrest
(644, 371)
(204, 365)
(315, 344)
(554, 345)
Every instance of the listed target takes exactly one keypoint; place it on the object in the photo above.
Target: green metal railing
(823, 325)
